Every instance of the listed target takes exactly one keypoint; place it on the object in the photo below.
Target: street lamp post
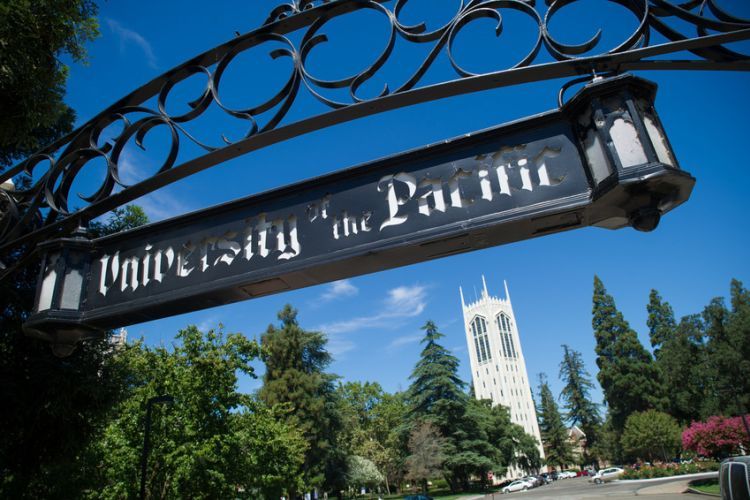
(144, 456)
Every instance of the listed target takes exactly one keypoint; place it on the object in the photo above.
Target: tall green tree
(436, 392)
(436, 396)
(514, 445)
(34, 36)
(727, 333)
(210, 441)
(628, 376)
(469, 452)
(295, 375)
(557, 448)
(680, 358)
(271, 452)
(358, 401)
(576, 394)
(389, 453)
(661, 322)
(607, 447)
(373, 423)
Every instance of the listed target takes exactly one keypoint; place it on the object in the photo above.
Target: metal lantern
(61, 292)
(629, 157)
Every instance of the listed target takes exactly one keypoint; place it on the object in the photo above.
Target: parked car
(547, 476)
(534, 480)
(567, 474)
(734, 478)
(518, 485)
(503, 483)
(608, 474)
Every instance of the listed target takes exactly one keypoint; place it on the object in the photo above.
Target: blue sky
(373, 321)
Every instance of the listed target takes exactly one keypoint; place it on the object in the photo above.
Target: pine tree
(738, 331)
(554, 433)
(295, 361)
(607, 447)
(661, 323)
(436, 392)
(727, 334)
(627, 373)
(680, 358)
(580, 410)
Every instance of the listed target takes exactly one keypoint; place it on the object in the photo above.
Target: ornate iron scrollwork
(22, 221)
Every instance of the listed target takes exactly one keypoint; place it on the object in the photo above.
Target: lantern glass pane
(596, 157)
(656, 133)
(628, 146)
(48, 283)
(658, 140)
(71, 293)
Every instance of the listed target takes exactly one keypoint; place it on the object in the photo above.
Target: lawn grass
(707, 486)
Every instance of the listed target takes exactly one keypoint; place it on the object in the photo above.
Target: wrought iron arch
(44, 210)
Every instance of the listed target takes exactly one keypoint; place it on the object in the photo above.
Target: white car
(518, 486)
(608, 474)
(566, 474)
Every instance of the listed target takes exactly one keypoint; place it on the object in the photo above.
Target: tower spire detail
(485, 293)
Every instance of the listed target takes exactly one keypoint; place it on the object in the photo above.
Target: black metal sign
(601, 159)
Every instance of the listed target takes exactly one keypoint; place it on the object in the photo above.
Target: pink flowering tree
(717, 437)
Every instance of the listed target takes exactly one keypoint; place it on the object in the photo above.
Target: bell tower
(498, 368)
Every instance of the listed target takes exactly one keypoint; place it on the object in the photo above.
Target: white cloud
(339, 289)
(129, 36)
(207, 324)
(161, 205)
(407, 300)
(338, 346)
(402, 302)
(158, 205)
(406, 339)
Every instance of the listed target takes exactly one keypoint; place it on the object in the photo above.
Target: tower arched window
(481, 342)
(503, 324)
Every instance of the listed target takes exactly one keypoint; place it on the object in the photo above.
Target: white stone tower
(498, 368)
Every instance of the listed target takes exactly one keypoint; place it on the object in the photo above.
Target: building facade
(119, 339)
(498, 368)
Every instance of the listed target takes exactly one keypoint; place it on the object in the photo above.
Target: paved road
(579, 488)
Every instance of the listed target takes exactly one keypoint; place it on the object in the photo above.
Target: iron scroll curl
(47, 208)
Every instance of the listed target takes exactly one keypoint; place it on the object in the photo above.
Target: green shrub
(440, 483)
